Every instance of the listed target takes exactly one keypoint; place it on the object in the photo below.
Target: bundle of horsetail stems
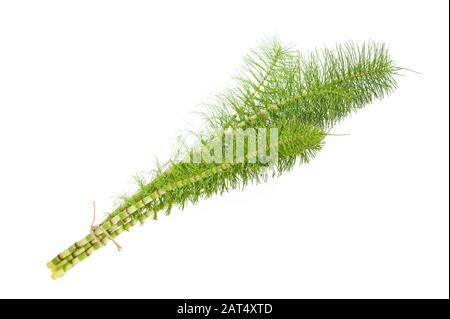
(302, 96)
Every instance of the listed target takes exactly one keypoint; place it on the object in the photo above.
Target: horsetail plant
(288, 100)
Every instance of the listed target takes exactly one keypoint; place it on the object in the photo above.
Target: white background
(92, 91)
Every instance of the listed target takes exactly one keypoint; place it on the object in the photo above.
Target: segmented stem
(302, 96)
(296, 142)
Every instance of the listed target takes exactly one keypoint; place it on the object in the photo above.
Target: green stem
(126, 218)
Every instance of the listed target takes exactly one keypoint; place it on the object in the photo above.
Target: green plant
(302, 96)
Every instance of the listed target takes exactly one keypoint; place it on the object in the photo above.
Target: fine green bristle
(302, 96)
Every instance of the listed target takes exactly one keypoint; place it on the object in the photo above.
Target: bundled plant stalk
(301, 96)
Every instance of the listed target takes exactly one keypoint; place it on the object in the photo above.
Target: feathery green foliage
(302, 96)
